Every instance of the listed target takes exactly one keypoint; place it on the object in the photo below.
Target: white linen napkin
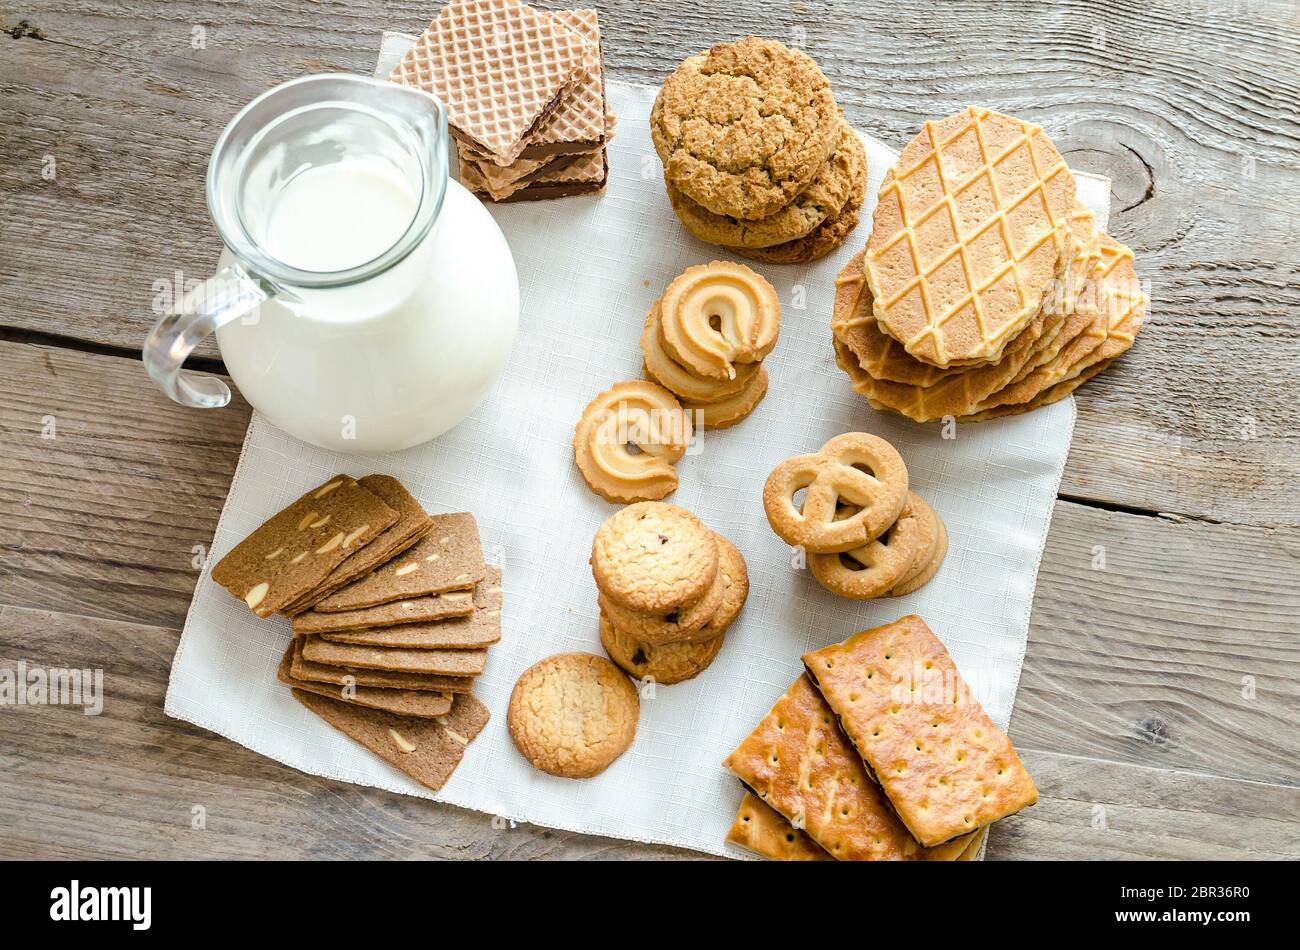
(589, 268)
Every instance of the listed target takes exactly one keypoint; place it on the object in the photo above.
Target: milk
(339, 216)
(392, 361)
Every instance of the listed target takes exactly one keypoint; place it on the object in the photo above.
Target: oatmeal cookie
(823, 200)
(745, 127)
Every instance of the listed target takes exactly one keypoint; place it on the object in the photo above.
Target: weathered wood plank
(1196, 118)
(108, 491)
(141, 776)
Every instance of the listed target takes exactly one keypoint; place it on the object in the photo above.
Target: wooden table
(1159, 709)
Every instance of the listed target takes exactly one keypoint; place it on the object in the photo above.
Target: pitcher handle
(229, 294)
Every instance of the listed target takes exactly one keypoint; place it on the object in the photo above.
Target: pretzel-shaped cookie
(718, 314)
(635, 413)
(873, 569)
(862, 469)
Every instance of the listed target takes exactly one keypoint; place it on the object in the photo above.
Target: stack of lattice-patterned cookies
(879, 752)
(669, 589)
(756, 155)
(985, 289)
(525, 96)
(393, 610)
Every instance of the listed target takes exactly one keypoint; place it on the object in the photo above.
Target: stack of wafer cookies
(393, 610)
(525, 95)
(865, 533)
(668, 587)
(878, 752)
(985, 289)
(756, 155)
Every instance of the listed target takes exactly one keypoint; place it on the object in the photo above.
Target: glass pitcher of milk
(364, 302)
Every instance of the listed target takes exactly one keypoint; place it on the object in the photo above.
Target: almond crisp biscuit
(482, 628)
(302, 669)
(449, 557)
(947, 769)
(412, 522)
(392, 659)
(428, 750)
(296, 550)
(400, 702)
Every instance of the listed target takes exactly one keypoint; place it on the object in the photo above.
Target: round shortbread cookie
(573, 714)
(675, 377)
(637, 412)
(821, 201)
(654, 557)
(716, 315)
(667, 664)
(727, 411)
(745, 127)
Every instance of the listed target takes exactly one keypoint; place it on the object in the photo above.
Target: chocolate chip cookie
(654, 558)
(745, 127)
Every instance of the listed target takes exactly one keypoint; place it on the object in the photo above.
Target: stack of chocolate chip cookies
(524, 90)
(669, 587)
(985, 289)
(866, 534)
(393, 610)
(757, 157)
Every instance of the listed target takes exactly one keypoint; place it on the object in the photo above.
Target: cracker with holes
(759, 829)
(313, 672)
(799, 762)
(482, 628)
(449, 557)
(436, 662)
(428, 750)
(400, 702)
(298, 548)
(854, 469)
(947, 769)
(412, 522)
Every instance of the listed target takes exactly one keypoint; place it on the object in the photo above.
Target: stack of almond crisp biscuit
(393, 610)
(525, 95)
(878, 752)
(757, 157)
(985, 289)
(669, 589)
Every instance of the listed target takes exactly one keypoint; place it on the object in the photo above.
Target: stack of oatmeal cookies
(757, 157)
